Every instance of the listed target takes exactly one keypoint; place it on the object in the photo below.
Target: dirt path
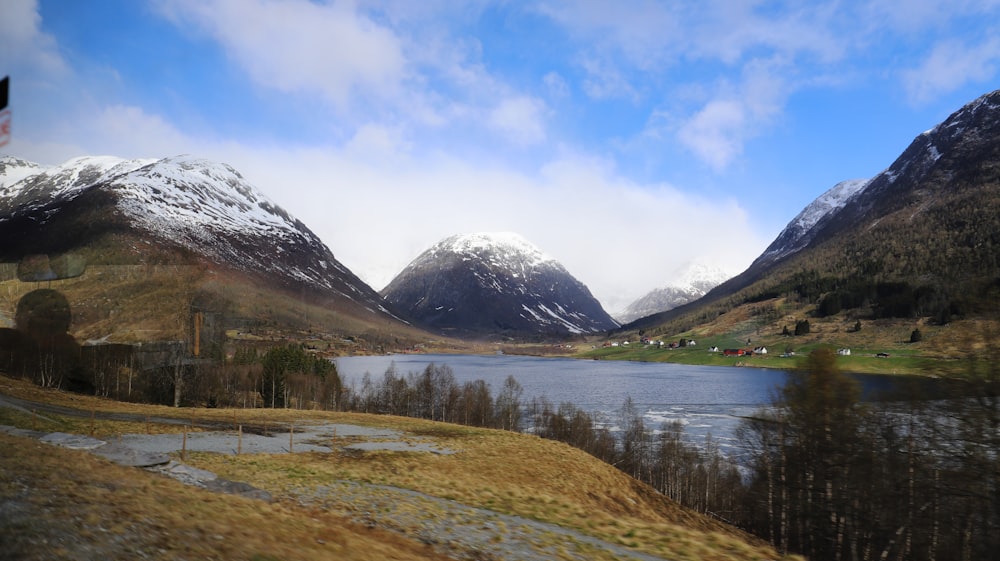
(459, 529)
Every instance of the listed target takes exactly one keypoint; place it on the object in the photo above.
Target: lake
(705, 399)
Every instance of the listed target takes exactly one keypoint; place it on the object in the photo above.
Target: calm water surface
(705, 399)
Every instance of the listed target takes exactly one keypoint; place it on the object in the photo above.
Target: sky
(626, 138)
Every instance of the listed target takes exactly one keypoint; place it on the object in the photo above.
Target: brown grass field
(57, 503)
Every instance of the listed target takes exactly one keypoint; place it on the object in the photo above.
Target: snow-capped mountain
(13, 170)
(201, 207)
(691, 283)
(936, 159)
(490, 283)
(958, 154)
(917, 240)
(801, 230)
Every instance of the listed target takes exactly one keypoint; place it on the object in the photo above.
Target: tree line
(912, 478)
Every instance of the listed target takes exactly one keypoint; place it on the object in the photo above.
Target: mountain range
(165, 237)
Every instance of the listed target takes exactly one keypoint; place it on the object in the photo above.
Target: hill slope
(180, 212)
(921, 239)
(363, 505)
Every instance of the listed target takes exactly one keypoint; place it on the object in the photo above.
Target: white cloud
(300, 46)
(520, 119)
(728, 31)
(374, 142)
(717, 132)
(949, 66)
(645, 32)
(605, 80)
(556, 85)
(917, 17)
(652, 36)
(23, 46)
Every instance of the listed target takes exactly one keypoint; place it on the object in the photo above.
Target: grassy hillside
(139, 303)
(938, 352)
(70, 499)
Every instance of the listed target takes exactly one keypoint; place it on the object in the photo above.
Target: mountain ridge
(920, 238)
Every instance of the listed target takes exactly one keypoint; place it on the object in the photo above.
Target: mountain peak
(503, 245)
(487, 283)
(690, 283)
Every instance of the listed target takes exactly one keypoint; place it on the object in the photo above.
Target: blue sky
(625, 139)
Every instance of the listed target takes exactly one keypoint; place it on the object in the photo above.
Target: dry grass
(513, 474)
(66, 504)
(505, 472)
(142, 303)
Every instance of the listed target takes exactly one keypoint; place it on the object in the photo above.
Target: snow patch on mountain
(495, 282)
(13, 170)
(688, 284)
(204, 206)
(799, 232)
(503, 249)
(25, 186)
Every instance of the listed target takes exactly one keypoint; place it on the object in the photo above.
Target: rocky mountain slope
(491, 283)
(920, 239)
(692, 283)
(801, 230)
(178, 211)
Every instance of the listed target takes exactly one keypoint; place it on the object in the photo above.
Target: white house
(844, 352)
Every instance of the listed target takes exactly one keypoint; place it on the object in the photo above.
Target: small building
(844, 352)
